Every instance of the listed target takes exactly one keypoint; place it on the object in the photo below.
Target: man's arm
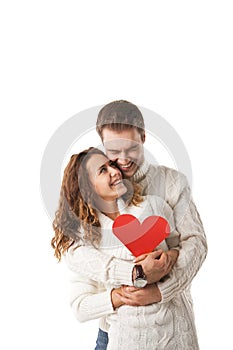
(192, 247)
(156, 267)
(150, 294)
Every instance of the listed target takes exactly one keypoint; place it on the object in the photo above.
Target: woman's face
(105, 177)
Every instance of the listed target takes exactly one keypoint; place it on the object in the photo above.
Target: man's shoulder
(164, 180)
(162, 170)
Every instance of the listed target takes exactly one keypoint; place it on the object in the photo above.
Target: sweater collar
(141, 172)
(105, 220)
(108, 239)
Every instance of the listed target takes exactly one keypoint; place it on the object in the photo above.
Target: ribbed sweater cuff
(101, 305)
(166, 292)
(121, 273)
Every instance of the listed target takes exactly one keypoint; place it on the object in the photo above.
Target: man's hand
(157, 264)
(139, 296)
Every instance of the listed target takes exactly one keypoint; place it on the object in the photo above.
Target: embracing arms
(91, 299)
(104, 268)
(92, 269)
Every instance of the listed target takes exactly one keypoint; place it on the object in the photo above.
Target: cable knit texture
(168, 324)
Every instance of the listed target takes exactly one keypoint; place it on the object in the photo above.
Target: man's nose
(123, 157)
(123, 160)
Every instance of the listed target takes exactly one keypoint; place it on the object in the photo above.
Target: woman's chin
(121, 190)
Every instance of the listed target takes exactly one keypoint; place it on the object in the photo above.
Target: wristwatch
(140, 280)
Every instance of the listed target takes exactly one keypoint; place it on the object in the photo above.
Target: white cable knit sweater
(165, 325)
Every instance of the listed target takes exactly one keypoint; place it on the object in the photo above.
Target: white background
(61, 57)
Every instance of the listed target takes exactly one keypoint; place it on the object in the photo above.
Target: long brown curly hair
(76, 219)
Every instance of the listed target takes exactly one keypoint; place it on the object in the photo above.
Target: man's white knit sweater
(165, 325)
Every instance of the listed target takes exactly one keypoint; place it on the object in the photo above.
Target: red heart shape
(140, 238)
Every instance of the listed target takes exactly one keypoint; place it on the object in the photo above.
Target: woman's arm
(104, 268)
(90, 301)
(139, 296)
(98, 266)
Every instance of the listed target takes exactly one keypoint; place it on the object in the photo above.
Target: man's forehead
(120, 143)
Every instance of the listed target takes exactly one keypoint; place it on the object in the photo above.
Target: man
(121, 127)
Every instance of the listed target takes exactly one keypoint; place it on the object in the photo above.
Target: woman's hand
(157, 264)
(139, 296)
(115, 297)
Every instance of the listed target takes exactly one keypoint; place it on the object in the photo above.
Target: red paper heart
(140, 238)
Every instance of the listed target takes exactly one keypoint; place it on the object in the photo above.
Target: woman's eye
(112, 164)
(102, 170)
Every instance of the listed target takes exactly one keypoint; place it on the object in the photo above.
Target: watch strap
(139, 272)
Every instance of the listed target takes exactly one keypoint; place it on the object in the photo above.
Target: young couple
(157, 312)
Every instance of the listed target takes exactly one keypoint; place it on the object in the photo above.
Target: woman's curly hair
(76, 219)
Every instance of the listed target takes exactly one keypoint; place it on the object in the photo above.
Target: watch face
(140, 283)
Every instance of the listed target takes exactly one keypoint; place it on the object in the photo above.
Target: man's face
(125, 148)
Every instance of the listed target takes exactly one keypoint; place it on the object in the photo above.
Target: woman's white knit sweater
(168, 324)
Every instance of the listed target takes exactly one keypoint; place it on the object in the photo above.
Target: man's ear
(143, 137)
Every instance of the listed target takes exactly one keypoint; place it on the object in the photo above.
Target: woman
(93, 194)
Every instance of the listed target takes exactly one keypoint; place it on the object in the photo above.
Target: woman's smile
(105, 177)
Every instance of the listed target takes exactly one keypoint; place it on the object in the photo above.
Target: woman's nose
(113, 171)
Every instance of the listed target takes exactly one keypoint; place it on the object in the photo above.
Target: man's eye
(113, 152)
(134, 148)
